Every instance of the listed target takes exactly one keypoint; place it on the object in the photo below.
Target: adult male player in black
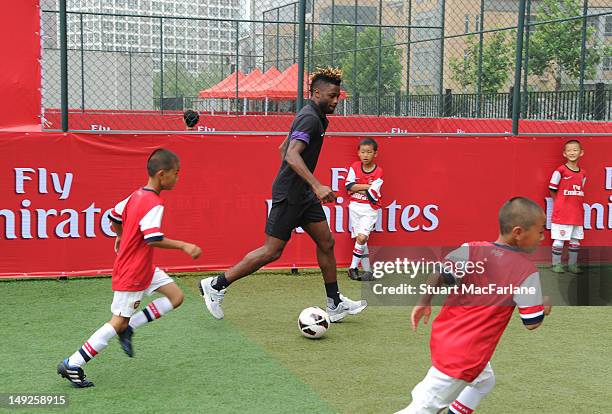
(296, 202)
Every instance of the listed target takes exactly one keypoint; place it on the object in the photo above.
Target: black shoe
(75, 375)
(354, 274)
(367, 276)
(125, 339)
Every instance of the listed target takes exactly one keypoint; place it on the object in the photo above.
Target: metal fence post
(516, 97)
(355, 48)
(526, 68)
(176, 94)
(237, 65)
(277, 37)
(480, 54)
(333, 32)
(82, 67)
(398, 102)
(130, 75)
(599, 102)
(161, 64)
(379, 62)
(63, 65)
(301, 47)
(585, 10)
(408, 47)
(441, 77)
(448, 103)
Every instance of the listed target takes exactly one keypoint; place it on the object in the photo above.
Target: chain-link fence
(139, 64)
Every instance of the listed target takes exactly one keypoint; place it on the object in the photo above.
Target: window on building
(121, 26)
(467, 24)
(120, 39)
(156, 6)
(608, 26)
(133, 40)
(477, 23)
(607, 63)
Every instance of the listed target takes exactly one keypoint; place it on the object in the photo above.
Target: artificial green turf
(186, 362)
(256, 361)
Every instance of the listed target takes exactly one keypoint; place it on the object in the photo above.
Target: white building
(196, 43)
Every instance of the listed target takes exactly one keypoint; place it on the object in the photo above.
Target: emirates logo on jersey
(136, 304)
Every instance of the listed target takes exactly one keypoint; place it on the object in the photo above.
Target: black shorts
(284, 217)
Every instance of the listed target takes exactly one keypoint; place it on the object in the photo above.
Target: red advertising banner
(438, 191)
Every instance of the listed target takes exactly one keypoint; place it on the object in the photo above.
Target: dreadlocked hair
(327, 75)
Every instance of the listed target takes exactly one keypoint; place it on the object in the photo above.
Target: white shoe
(346, 307)
(212, 297)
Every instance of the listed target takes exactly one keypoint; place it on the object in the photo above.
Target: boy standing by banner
(363, 183)
(567, 190)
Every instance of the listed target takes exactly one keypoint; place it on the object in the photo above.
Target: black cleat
(367, 276)
(354, 274)
(75, 375)
(125, 339)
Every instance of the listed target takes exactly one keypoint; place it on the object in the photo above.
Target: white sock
(95, 344)
(357, 254)
(154, 310)
(557, 251)
(365, 259)
(574, 248)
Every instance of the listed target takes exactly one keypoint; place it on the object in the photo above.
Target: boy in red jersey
(567, 190)
(363, 183)
(137, 222)
(469, 326)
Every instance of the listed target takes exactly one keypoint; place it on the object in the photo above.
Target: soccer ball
(313, 322)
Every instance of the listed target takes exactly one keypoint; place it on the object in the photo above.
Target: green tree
(343, 44)
(363, 77)
(178, 81)
(497, 59)
(554, 49)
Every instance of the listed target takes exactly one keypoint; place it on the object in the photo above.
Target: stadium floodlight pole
(585, 10)
(63, 65)
(441, 71)
(516, 97)
(301, 47)
(480, 55)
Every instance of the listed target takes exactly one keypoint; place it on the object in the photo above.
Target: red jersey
(466, 332)
(141, 215)
(374, 178)
(569, 184)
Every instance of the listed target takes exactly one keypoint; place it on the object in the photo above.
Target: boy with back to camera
(466, 332)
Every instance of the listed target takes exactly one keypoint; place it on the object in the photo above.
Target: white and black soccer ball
(313, 322)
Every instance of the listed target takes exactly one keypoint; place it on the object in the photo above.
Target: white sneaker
(346, 307)
(212, 297)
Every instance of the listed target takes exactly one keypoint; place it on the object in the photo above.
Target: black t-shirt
(308, 126)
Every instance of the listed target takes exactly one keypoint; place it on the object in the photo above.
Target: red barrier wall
(19, 64)
(173, 121)
(437, 191)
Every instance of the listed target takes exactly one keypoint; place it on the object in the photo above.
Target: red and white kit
(568, 211)
(133, 272)
(466, 332)
(363, 209)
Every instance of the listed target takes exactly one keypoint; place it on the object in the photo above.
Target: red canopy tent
(253, 88)
(283, 87)
(225, 85)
